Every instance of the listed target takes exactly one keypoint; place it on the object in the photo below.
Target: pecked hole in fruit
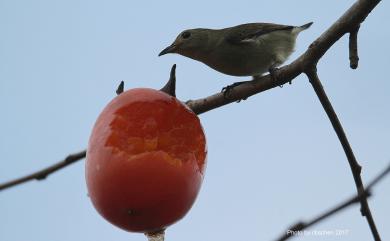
(163, 129)
(152, 159)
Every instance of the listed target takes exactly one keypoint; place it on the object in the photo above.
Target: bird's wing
(246, 33)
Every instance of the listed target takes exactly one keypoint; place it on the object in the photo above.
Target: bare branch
(347, 23)
(120, 88)
(353, 48)
(353, 17)
(170, 87)
(379, 177)
(42, 174)
(355, 167)
(301, 225)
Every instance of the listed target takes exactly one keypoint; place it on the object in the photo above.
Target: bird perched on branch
(245, 50)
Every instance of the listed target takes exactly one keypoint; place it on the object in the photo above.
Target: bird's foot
(273, 71)
(227, 89)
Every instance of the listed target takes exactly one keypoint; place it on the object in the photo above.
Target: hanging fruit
(146, 160)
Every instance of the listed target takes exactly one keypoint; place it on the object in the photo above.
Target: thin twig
(354, 16)
(301, 225)
(354, 165)
(120, 88)
(170, 86)
(353, 48)
(379, 177)
(42, 174)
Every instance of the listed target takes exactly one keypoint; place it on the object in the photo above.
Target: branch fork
(348, 23)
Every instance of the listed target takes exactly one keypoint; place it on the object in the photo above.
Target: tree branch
(355, 167)
(120, 88)
(42, 174)
(301, 225)
(170, 87)
(353, 17)
(347, 23)
(353, 48)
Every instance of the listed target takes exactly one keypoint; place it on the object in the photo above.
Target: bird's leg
(273, 71)
(226, 90)
(230, 87)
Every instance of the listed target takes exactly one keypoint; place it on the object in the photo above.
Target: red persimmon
(145, 161)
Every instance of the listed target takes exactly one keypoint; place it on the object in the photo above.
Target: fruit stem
(156, 236)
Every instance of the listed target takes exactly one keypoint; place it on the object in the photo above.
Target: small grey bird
(245, 50)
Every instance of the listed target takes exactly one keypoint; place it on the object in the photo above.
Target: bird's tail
(299, 29)
(305, 26)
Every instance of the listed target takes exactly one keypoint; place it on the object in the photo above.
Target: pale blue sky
(273, 159)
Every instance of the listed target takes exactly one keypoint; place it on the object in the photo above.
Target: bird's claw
(227, 89)
(273, 71)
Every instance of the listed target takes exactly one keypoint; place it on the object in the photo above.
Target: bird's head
(190, 43)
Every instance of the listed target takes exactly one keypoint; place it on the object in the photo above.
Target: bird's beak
(169, 49)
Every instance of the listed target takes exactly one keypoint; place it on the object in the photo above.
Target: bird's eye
(185, 35)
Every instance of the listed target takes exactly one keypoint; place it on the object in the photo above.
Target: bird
(250, 49)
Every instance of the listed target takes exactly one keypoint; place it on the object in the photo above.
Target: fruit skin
(145, 161)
